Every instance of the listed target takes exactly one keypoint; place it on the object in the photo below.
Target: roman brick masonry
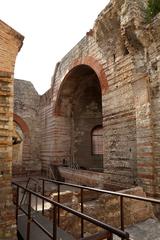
(110, 80)
(10, 44)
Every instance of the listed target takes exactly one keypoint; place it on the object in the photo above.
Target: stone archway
(21, 145)
(78, 110)
(17, 141)
(23, 125)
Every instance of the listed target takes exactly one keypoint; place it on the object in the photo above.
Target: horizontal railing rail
(82, 188)
(37, 186)
(152, 200)
(122, 234)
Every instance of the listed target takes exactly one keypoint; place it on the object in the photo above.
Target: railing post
(122, 213)
(54, 222)
(25, 191)
(36, 190)
(17, 203)
(58, 202)
(43, 190)
(29, 217)
(82, 221)
(111, 236)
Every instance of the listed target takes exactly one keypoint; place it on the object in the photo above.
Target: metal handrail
(27, 184)
(118, 194)
(152, 200)
(116, 231)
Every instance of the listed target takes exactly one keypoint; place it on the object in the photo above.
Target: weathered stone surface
(105, 208)
(146, 230)
(10, 43)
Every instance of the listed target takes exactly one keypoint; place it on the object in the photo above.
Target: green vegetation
(152, 9)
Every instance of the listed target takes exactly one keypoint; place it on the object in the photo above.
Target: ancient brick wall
(142, 40)
(61, 124)
(46, 126)
(114, 72)
(10, 44)
(122, 50)
(153, 68)
(26, 115)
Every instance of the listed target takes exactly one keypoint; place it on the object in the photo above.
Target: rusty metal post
(17, 204)
(29, 217)
(82, 221)
(122, 213)
(111, 236)
(36, 190)
(43, 191)
(58, 202)
(54, 222)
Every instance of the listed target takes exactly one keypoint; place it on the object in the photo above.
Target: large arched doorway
(78, 111)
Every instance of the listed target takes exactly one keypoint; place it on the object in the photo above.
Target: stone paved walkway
(147, 230)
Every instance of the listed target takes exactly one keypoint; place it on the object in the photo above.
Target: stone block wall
(10, 44)
(103, 207)
(82, 177)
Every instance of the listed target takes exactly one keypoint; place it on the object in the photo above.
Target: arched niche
(78, 110)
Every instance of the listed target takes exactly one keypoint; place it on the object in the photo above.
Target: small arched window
(97, 140)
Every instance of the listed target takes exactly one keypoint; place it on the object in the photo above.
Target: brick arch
(95, 65)
(22, 124)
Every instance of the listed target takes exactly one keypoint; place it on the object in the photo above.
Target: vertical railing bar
(36, 196)
(122, 213)
(17, 204)
(25, 191)
(82, 221)
(58, 202)
(54, 212)
(43, 190)
(54, 223)
(111, 236)
(29, 217)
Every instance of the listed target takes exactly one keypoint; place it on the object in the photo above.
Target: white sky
(51, 28)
